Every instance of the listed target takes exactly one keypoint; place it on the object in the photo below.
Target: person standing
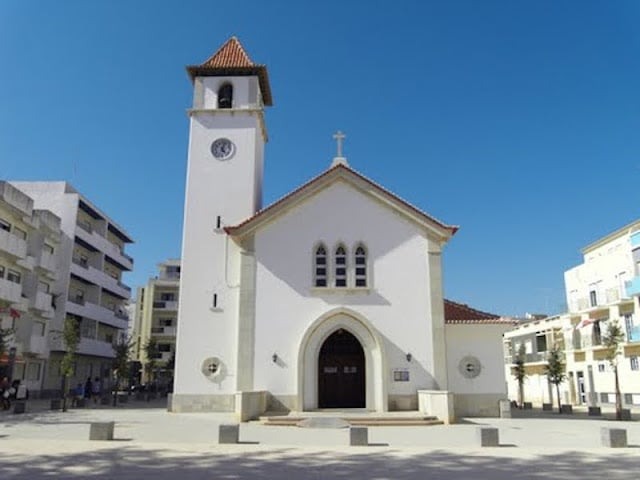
(88, 388)
(95, 390)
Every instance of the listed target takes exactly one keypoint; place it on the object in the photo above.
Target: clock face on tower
(222, 148)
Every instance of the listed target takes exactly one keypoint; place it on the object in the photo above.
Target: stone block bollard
(358, 436)
(123, 398)
(595, 412)
(527, 405)
(20, 406)
(613, 437)
(505, 408)
(547, 407)
(56, 404)
(101, 431)
(228, 433)
(488, 437)
(106, 400)
(568, 409)
(625, 414)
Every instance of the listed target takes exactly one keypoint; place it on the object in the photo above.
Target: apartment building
(605, 287)
(156, 316)
(29, 240)
(88, 286)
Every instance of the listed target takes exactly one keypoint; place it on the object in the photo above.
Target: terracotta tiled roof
(229, 55)
(232, 230)
(231, 59)
(459, 313)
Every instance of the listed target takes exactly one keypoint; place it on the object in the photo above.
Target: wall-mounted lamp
(409, 357)
(274, 357)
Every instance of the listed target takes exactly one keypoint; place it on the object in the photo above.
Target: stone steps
(363, 420)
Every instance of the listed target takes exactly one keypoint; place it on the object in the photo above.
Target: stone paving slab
(152, 443)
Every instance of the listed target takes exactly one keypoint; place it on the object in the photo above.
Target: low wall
(438, 403)
(180, 403)
(478, 404)
(250, 405)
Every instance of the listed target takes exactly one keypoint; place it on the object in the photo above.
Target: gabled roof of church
(314, 185)
(460, 313)
(231, 59)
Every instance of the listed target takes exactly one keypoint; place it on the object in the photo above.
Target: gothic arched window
(320, 267)
(225, 96)
(341, 266)
(360, 260)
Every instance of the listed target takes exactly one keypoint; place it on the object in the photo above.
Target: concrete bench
(527, 406)
(358, 436)
(613, 437)
(101, 431)
(595, 412)
(547, 407)
(568, 409)
(625, 414)
(488, 437)
(228, 433)
(56, 404)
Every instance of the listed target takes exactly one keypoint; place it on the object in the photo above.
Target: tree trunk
(618, 396)
(558, 395)
(521, 393)
(65, 390)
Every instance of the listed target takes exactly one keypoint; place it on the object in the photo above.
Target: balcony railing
(13, 245)
(633, 286)
(166, 304)
(76, 300)
(633, 334)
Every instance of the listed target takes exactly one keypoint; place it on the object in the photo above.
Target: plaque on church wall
(401, 375)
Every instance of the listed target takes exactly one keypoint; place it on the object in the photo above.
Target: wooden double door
(341, 372)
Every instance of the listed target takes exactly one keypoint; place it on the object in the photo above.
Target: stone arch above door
(312, 341)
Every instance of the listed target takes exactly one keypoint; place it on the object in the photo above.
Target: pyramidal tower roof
(231, 59)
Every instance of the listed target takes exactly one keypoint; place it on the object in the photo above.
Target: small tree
(612, 340)
(120, 364)
(555, 371)
(71, 339)
(519, 372)
(151, 352)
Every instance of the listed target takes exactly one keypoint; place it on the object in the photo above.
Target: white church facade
(331, 297)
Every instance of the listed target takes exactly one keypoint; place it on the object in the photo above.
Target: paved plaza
(152, 443)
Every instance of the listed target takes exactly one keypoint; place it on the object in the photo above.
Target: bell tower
(227, 133)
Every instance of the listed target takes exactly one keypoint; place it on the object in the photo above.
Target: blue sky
(518, 121)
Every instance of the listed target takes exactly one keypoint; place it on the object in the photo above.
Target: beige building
(29, 240)
(602, 289)
(156, 314)
(88, 284)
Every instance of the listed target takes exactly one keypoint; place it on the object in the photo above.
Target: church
(329, 298)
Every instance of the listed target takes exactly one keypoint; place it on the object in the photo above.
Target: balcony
(38, 345)
(164, 331)
(14, 246)
(633, 286)
(97, 312)
(10, 291)
(42, 302)
(101, 243)
(633, 334)
(635, 240)
(98, 277)
(165, 305)
(47, 263)
(87, 346)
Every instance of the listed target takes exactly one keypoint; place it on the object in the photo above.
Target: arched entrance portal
(341, 372)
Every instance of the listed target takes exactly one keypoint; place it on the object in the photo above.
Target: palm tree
(612, 340)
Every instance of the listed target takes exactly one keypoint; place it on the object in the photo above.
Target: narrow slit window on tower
(341, 266)
(225, 96)
(215, 300)
(320, 267)
(360, 257)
